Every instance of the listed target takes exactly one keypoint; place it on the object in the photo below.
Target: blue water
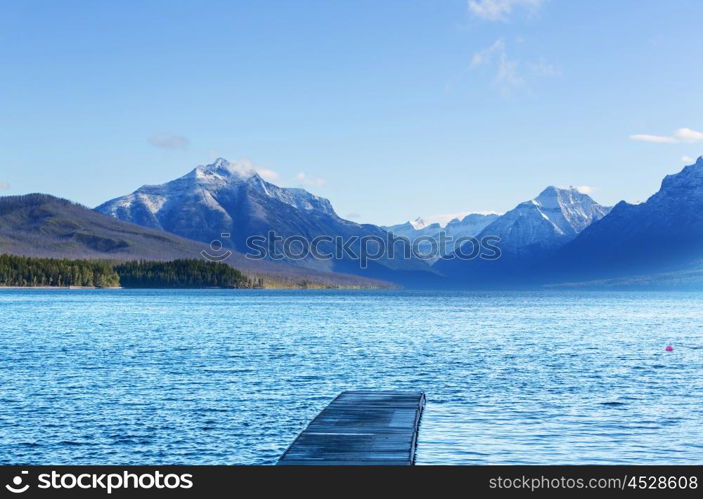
(231, 377)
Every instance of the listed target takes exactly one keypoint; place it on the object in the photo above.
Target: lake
(231, 377)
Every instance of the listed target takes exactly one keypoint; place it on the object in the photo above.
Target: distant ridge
(662, 235)
(529, 233)
(564, 240)
(468, 226)
(42, 225)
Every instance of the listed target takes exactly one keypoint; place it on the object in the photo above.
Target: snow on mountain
(468, 225)
(150, 203)
(471, 225)
(233, 199)
(528, 235)
(441, 220)
(551, 219)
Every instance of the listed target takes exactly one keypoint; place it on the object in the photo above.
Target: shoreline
(59, 287)
(78, 288)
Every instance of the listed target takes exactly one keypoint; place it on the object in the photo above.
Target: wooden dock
(361, 428)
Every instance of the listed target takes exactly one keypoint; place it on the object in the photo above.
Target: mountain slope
(232, 198)
(529, 234)
(548, 221)
(663, 234)
(40, 225)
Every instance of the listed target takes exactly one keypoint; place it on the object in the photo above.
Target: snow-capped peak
(555, 215)
(440, 220)
(214, 188)
(242, 169)
(553, 195)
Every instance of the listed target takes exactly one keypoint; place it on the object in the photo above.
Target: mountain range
(561, 237)
(467, 226)
(662, 235)
(40, 225)
(528, 233)
(568, 238)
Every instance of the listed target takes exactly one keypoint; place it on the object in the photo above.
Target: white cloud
(500, 10)
(688, 135)
(687, 159)
(4, 186)
(652, 138)
(265, 173)
(680, 135)
(309, 181)
(268, 175)
(584, 189)
(247, 167)
(168, 141)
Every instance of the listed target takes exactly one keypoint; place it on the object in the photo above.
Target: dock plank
(361, 428)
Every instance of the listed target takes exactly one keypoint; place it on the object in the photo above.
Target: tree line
(25, 271)
(180, 274)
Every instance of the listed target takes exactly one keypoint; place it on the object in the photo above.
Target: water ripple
(231, 377)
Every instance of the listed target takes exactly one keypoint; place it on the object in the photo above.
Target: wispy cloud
(247, 167)
(500, 10)
(584, 189)
(681, 135)
(641, 137)
(486, 55)
(4, 186)
(507, 75)
(268, 175)
(310, 181)
(511, 73)
(265, 173)
(544, 68)
(168, 141)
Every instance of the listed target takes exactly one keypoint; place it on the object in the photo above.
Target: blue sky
(392, 109)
